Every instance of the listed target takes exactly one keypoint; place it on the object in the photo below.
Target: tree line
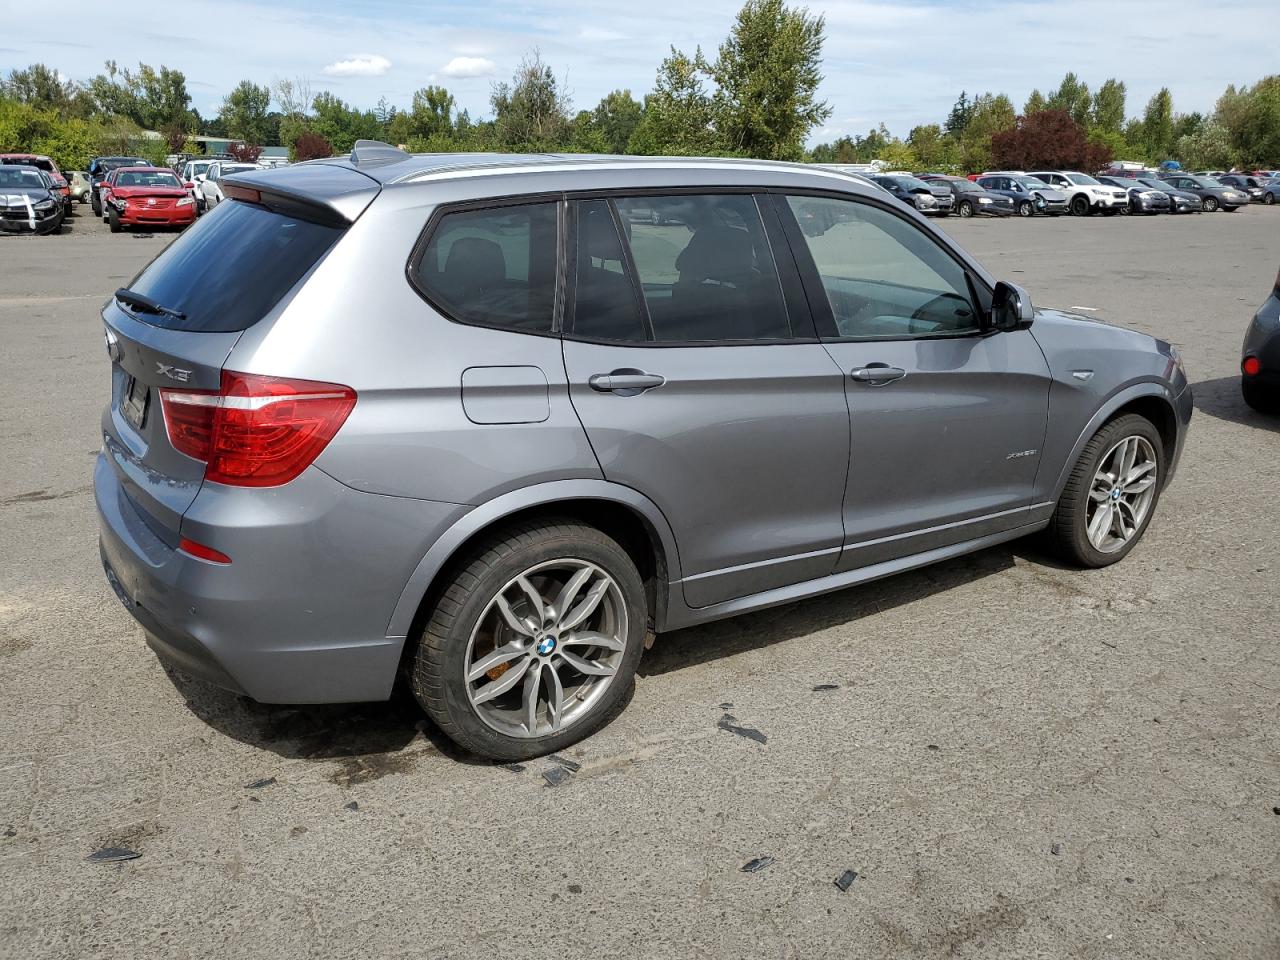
(756, 96)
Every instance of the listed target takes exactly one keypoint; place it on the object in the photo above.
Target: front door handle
(625, 383)
(877, 373)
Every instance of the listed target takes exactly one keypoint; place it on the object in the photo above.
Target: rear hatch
(175, 324)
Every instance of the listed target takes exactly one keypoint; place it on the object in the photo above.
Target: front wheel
(113, 218)
(1209, 204)
(533, 644)
(1269, 198)
(1025, 209)
(1079, 205)
(1111, 494)
(965, 210)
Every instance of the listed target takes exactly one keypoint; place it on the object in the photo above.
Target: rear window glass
(231, 267)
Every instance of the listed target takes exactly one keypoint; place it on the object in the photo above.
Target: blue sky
(903, 63)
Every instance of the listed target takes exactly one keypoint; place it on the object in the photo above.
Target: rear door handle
(625, 383)
(877, 373)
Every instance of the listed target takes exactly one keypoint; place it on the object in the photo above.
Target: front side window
(494, 267)
(884, 278)
(705, 268)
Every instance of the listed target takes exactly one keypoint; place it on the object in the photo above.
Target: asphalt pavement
(1015, 759)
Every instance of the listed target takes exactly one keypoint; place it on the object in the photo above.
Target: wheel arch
(623, 513)
(1152, 400)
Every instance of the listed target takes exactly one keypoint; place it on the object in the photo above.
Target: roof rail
(375, 151)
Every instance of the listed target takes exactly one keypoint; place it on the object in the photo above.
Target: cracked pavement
(969, 716)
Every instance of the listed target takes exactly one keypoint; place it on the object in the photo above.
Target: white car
(193, 172)
(211, 187)
(1085, 195)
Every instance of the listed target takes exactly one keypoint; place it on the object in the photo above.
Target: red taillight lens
(256, 431)
(1250, 366)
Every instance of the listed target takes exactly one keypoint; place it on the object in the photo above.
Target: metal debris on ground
(113, 855)
(758, 864)
(513, 767)
(726, 706)
(932, 746)
(259, 784)
(353, 805)
(845, 880)
(571, 765)
(729, 723)
(826, 686)
(556, 776)
(1055, 848)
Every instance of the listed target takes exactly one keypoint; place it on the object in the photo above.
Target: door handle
(625, 383)
(877, 373)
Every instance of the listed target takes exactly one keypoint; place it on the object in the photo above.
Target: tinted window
(231, 267)
(705, 268)
(494, 267)
(605, 303)
(883, 276)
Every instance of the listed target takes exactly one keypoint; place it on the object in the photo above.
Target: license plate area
(134, 402)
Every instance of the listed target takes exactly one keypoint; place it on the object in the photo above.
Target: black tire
(1269, 198)
(1079, 205)
(95, 203)
(965, 209)
(437, 673)
(113, 218)
(1066, 532)
(1125, 211)
(1260, 397)
(1209, 204)
(1025, 209)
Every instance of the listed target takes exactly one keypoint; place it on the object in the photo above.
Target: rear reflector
(1250, 367)
(203, 552)
(256, 431)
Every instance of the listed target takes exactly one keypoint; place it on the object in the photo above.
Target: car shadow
(690, 647)
(1221, 398)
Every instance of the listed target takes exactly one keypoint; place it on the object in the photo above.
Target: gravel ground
(1017, 760)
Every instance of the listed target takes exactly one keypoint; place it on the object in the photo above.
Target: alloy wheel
(546, 648)
(966, 209)
(1209, 204)
(1121, 494)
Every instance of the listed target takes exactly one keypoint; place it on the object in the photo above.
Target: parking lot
(1017, 759)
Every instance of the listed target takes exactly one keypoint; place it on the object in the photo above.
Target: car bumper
(1108, 203)
(21, 221)
(300, 615)
(1152, 205)
(1262, 340)
(177, 217)
(1054, 206)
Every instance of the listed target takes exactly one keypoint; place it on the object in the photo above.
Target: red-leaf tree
(1049, 139)
(244, 152)
(311, 146)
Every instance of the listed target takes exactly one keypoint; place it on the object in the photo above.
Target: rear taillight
(256, 431)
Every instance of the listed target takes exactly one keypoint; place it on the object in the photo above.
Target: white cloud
(359, 65)
(468, 67)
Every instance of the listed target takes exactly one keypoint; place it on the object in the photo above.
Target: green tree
(1157, 125)
(767, 73)
(1072, 96)
(1209, 146)
(531, 112)
(677, 115)
(1251, 117)
(1035, 103)
(42, 87)
(616, 118)
(989, 114)
(1108, 107)
(959, 116)
(934, 150)
(244, 113)
(340, 124)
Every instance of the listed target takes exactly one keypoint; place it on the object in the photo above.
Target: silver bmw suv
(489, 421)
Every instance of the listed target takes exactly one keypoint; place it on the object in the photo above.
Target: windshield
(1124, 182)
(1031, 183)
(1154, 184)
(910, 183)
(968, 186)
(1083, 179)
(137, 178)
(16, 176)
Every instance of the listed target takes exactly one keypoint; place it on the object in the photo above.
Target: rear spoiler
(324, 193)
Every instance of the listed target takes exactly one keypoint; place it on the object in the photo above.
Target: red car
(146, 197)
(41, 162)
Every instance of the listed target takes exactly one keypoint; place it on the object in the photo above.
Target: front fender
(542, 494)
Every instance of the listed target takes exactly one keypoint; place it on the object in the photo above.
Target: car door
(947, 419)
(694, 368)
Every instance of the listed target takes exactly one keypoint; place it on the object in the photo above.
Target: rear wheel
(1079, 205)
(113, 218)
(1025, 209)
(1111, 493)
(1261, 398)
(1209, 204)
(534, 643)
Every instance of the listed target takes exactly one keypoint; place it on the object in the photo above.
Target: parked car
(193, 172)
(1182, 201)
(148, 197)
(29, 201)
(914, 193)
(1213, 195)
(211, 187)
(40, 162)
(1142, 198)
(1085, 195)
(1244, 183)
(971, 199)
(1029, 195)
(1270, 191)
(354, 434)
(1260, 356)
(99, 167)
(79, 186)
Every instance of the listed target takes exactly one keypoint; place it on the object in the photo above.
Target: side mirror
(1011, 307)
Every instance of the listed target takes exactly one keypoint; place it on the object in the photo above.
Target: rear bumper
(1262, 340)
(1183, 407)
(300, 615)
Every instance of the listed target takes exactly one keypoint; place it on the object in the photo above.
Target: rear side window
(231, 267)
(494, 267)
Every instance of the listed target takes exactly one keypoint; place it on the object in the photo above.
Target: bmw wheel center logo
(546, 646)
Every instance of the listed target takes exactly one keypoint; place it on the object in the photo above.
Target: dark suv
(99, 167)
